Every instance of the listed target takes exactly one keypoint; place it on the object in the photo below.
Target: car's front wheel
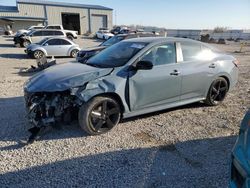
(99, 115)
(26, 43)
(38, 54)
(74, 53)
(217, 92)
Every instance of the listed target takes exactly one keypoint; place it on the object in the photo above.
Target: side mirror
(144, 65)
(46, 44)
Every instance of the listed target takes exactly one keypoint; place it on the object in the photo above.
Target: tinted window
(54, 42)
(37, 33)
(58, 33)
(161, 55)
(48, 33)
(53, 27)
(116, 55)
(190, 50)
(64, 42)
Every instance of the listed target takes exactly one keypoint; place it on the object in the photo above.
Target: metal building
(80, 17)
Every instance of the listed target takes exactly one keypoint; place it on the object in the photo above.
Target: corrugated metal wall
(95, 26)
(24, 24)
(54, 15)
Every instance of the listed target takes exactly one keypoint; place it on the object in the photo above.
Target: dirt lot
(182, 147)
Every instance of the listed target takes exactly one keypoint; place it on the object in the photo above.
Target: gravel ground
(182, 147)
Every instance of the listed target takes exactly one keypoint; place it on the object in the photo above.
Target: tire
(70, 37)
(73, 53)
(26, 43)
(217, 92)
(99, 115)
(38, 54)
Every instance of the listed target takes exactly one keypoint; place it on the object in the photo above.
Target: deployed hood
(63, 77)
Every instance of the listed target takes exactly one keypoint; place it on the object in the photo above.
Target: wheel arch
(227, 79)
(41, 49)
(112, 95)
(71, 49)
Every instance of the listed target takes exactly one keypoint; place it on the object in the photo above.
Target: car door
(197, 70)
(52, 47)
(160, 85)
(64, 47)
(37, 36)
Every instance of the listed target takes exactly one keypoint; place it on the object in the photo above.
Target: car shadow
(194, 163)
(188, 106)
(15, 56)
(14, 125)
(7, 46)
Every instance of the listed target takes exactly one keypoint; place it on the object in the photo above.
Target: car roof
(50, 30)
(48, 38)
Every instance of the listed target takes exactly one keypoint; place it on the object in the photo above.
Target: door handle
(175, 73)
(212, 66)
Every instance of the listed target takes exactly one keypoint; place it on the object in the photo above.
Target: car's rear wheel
(70, 37)
(99, 115)
(74, 53)
(38, 54)
(26, 43)
(217, 92)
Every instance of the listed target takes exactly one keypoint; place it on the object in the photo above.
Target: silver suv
(36, 36)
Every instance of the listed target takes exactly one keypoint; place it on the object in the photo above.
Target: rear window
(53, 27)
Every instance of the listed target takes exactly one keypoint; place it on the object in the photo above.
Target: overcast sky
(175, 14)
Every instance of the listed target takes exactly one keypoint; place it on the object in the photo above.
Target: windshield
(116, 55)
(42, 41)
(112, 41)
(29, 33)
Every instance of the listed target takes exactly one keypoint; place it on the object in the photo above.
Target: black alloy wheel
(217, 92)
(99, 115)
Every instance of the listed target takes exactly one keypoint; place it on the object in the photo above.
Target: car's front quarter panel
(110, 84)
(41, 48)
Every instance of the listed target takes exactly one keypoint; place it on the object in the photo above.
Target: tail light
(236, 62)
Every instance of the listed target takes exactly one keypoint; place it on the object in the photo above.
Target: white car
(104, 34)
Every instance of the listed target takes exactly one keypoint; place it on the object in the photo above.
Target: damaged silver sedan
(130, 78)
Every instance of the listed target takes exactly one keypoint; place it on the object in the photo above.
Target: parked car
(132, 77)
(87, 53)
(240, 164)
(53, 47)
(117, 30)
(27, 30)
(104, 34)
(70, 33)
(37, 36)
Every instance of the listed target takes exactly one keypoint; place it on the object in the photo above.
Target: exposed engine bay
(47, 109)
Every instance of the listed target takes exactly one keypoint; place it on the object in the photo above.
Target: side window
(53, 42)
(58, 33)
(64, 42)
(190, 51)
(47, 33)
(37, 34)
(161, 55)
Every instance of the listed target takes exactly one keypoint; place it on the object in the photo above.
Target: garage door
(98, 21)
